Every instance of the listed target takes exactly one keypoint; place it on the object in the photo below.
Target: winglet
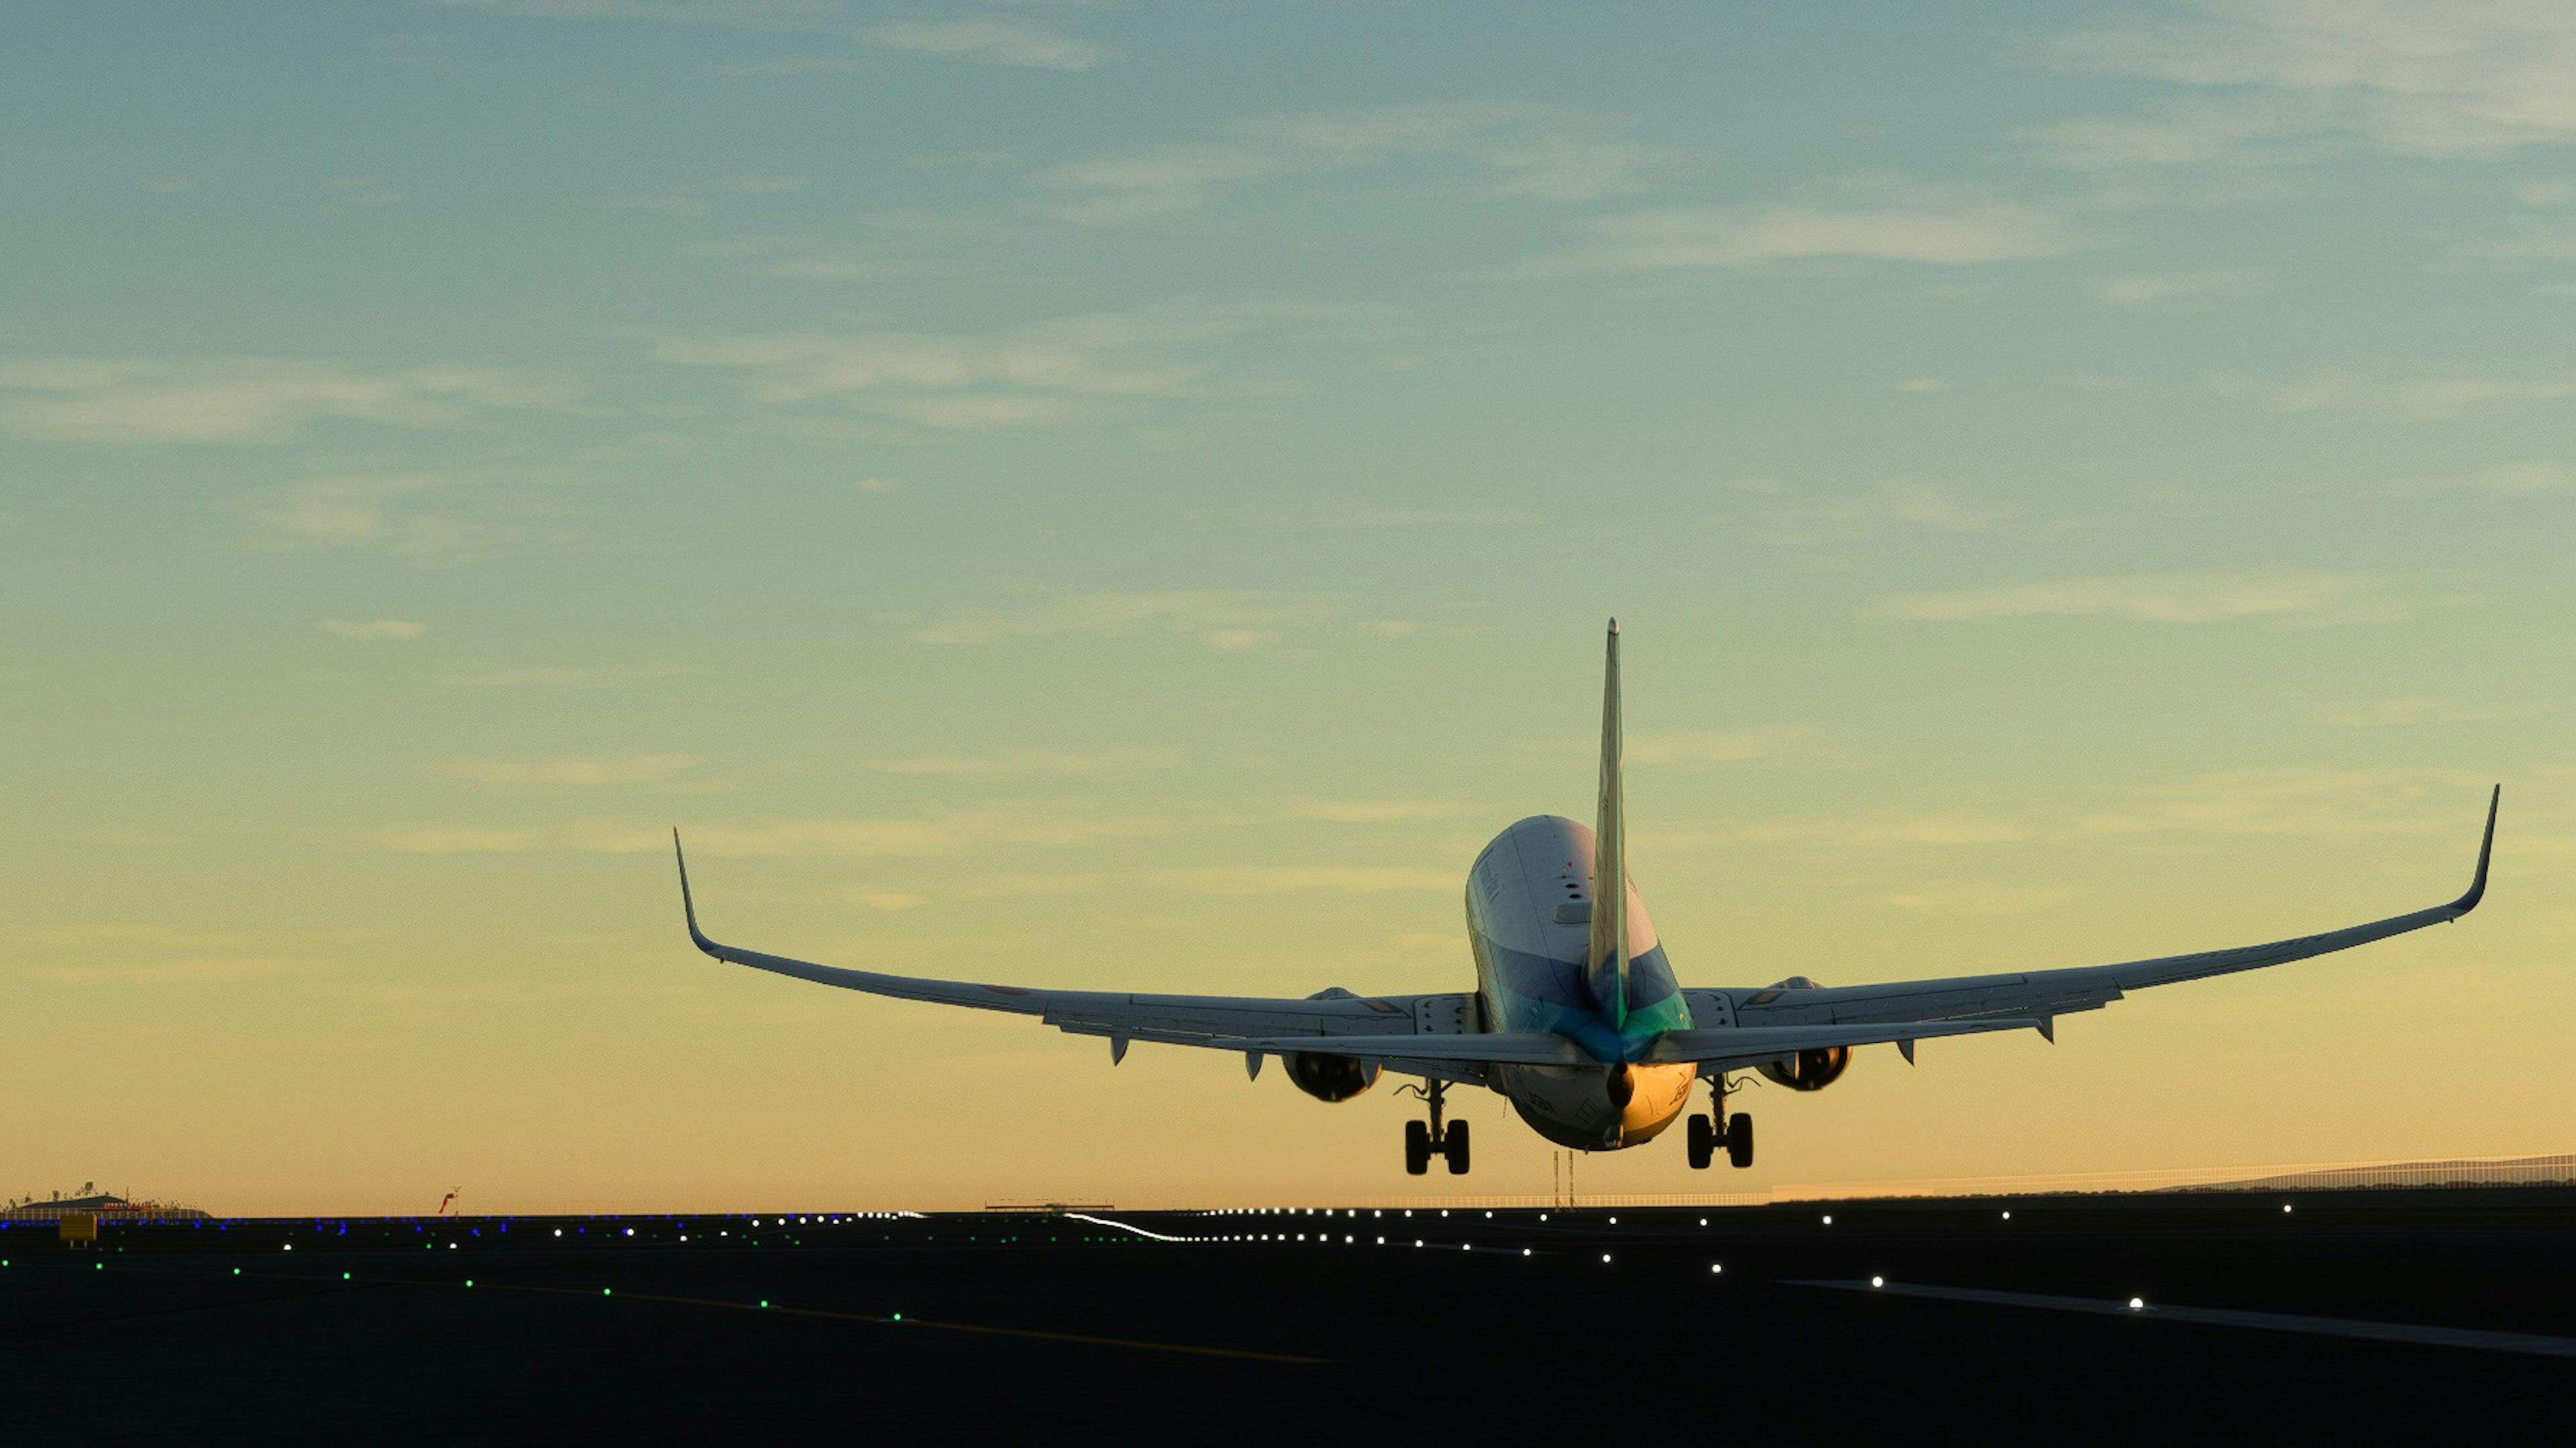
(688, 907)
(2486, 848)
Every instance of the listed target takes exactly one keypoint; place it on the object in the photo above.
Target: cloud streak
(989, 40)
(380, 628)
(244, 399)
(1224, 622)
(2165, 598)
(2279, 82)
(1929, 232)
(1517, 152)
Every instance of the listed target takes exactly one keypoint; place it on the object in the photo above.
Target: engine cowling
(1809, 1070)
(1330, 1078)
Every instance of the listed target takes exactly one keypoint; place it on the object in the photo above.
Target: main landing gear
(1708, 1133)
(1424, 1140)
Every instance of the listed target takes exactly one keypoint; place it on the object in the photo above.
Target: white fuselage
(1529, 900)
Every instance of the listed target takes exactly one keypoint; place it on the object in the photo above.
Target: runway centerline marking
(2425, 1335)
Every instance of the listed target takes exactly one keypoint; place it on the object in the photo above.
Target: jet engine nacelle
(1330, 1078)
(1809, 1070)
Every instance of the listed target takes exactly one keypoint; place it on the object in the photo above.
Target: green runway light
(603, 1292)
(237, 1272)
(898, 1317)
(764, 1302)
(469, 1281)
(344, 1276)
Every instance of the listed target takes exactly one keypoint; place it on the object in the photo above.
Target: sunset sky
(1126, 496)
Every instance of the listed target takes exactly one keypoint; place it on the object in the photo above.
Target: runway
(2351, 1311)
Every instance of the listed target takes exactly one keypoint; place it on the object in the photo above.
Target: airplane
(1577, 1019)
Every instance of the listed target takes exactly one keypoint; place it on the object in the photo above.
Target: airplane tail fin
(1607, 962)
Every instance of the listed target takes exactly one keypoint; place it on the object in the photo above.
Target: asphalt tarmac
(2353, 1314)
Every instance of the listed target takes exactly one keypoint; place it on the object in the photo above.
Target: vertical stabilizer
(1607, 964)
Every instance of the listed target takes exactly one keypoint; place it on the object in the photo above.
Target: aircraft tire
(1453, 1145)
(1417, 1148)
(1739, 1140)
(1703, 1142)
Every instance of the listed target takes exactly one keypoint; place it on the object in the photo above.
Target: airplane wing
(2045, 994)
(1335, 1021)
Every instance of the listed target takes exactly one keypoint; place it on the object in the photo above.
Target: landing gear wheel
(1453, 1145)
(1739, 1140)
(1417, 1148)
(1703, 1142)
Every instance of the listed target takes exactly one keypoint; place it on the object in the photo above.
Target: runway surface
(2357, 1312)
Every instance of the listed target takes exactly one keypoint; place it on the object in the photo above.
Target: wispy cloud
(184, 399)
(136, 953)
(1308, 879)
(793, 259)
(2418, 399)
(1226, 622)
(2407, 713)
(1072, 371)
(748, 14)
(2529, 478)
(1516, 152)
(989, 40)
(378, 628)
(2168, 598)
(566, 676)
(574, 771)
(1057, 826)
(1723, 746)
(1979, 899)
(2295, 80)
(1375, 811)
(1920, 228)
(2298, 801)
(1908, 503)
(1019, 764)
(414, 514)
(2184, 290)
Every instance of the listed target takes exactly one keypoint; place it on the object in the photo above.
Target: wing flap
(1730, 1046)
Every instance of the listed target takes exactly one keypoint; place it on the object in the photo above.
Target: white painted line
(1129, 1227)
(2423, 1335)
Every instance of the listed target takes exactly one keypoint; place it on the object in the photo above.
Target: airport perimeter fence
(2555, 1170)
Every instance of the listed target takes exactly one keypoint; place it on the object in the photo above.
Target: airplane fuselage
(1529, 903)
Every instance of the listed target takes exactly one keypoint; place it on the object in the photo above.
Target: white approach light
(1829, 1219)
(1878, 1282)
(2285, 1206)
(1716, 1267)
(1605, 1256)
(2135, 1303)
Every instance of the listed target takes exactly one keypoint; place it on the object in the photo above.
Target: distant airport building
(100, 1206)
